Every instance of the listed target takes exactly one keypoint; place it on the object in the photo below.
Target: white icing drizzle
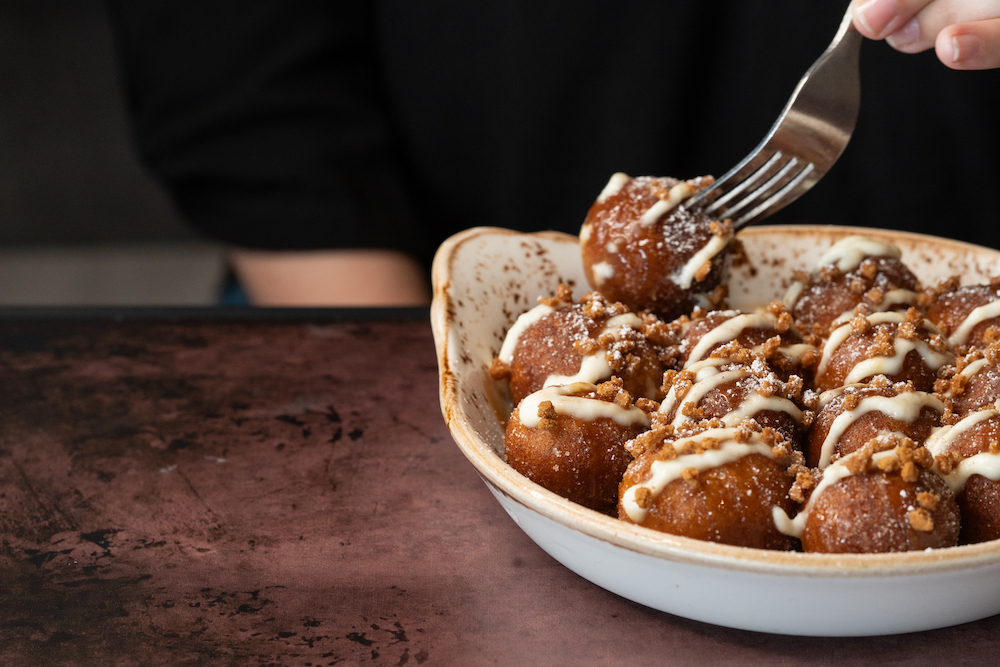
(514, 333)
(594, 367)
(898, 297)
(617, 181)
(602, 272)
(831, 475)
(891, 299)
(578, 407)
(675, 196)
(755, 403)
(715, 245)
(934, 360)
(904, 407)
(793, 293)
(664, 472)
(974, 367)
(976, 317)
(728, 330)
(847, 253)
(894, 364)
(795, 351)
(708, 376)
(943, 438)
(984, 463)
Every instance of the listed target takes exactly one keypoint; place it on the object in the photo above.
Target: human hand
(964, 33)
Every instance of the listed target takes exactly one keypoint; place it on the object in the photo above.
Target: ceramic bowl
(485, 277)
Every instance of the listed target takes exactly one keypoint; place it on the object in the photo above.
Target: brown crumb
(907, 331)
(690, 475)
(938, 343)
(717, 297)
(888, 464)
(669, 377)
(929, 501)
(585, 346)
(920, 519)
(875, 296)
(770, 347)
(643, 498)
(499, 370)
(992, 353)
(860, 324)
(606, 340)
(910, 472)
(868, 269)
(647, 405)
(667, 452)
(851, 402)
(857, 285)
(623, 400)
(547, 416)
(703, 271)
(883, 345)
(946, 463)
(880, 382)
(957, 385)
(858, 461)
(926, 299)
(692, 411)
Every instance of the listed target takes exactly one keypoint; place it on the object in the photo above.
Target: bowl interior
(485, 277)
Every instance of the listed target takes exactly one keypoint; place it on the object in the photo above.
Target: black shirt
(295, 124)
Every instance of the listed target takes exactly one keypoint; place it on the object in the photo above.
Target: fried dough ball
(770, 332)
(882, 498)
(643, 249)
(559, 342)
(718, 485)
(897, 345)
(967, 454)
(855, 271)
(968, 315)
(854, 415)
(729, 392)
(570, 440)
(973, 383)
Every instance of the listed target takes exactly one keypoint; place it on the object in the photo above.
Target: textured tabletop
(285, 492)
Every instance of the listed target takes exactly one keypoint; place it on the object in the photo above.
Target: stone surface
(286, 493)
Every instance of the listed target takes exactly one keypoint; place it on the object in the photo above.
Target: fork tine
(805, 141)
(733, 178)
(788, 193)
(752, 186)
(785, 173)
(743, 177)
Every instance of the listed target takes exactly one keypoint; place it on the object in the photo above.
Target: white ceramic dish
(485, 277)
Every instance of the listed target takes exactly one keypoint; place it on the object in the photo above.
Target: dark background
(68, 171)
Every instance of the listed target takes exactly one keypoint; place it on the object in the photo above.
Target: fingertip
(960, 50)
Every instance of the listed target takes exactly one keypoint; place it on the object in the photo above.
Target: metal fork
(808, 137)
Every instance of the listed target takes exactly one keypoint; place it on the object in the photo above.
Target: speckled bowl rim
(512, 484)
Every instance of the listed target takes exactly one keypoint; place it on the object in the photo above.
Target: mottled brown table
(227, 487)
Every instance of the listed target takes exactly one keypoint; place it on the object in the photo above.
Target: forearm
(330, 278)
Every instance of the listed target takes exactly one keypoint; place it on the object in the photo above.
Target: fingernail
(908, 34)
(965, 47)
(876, 15)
